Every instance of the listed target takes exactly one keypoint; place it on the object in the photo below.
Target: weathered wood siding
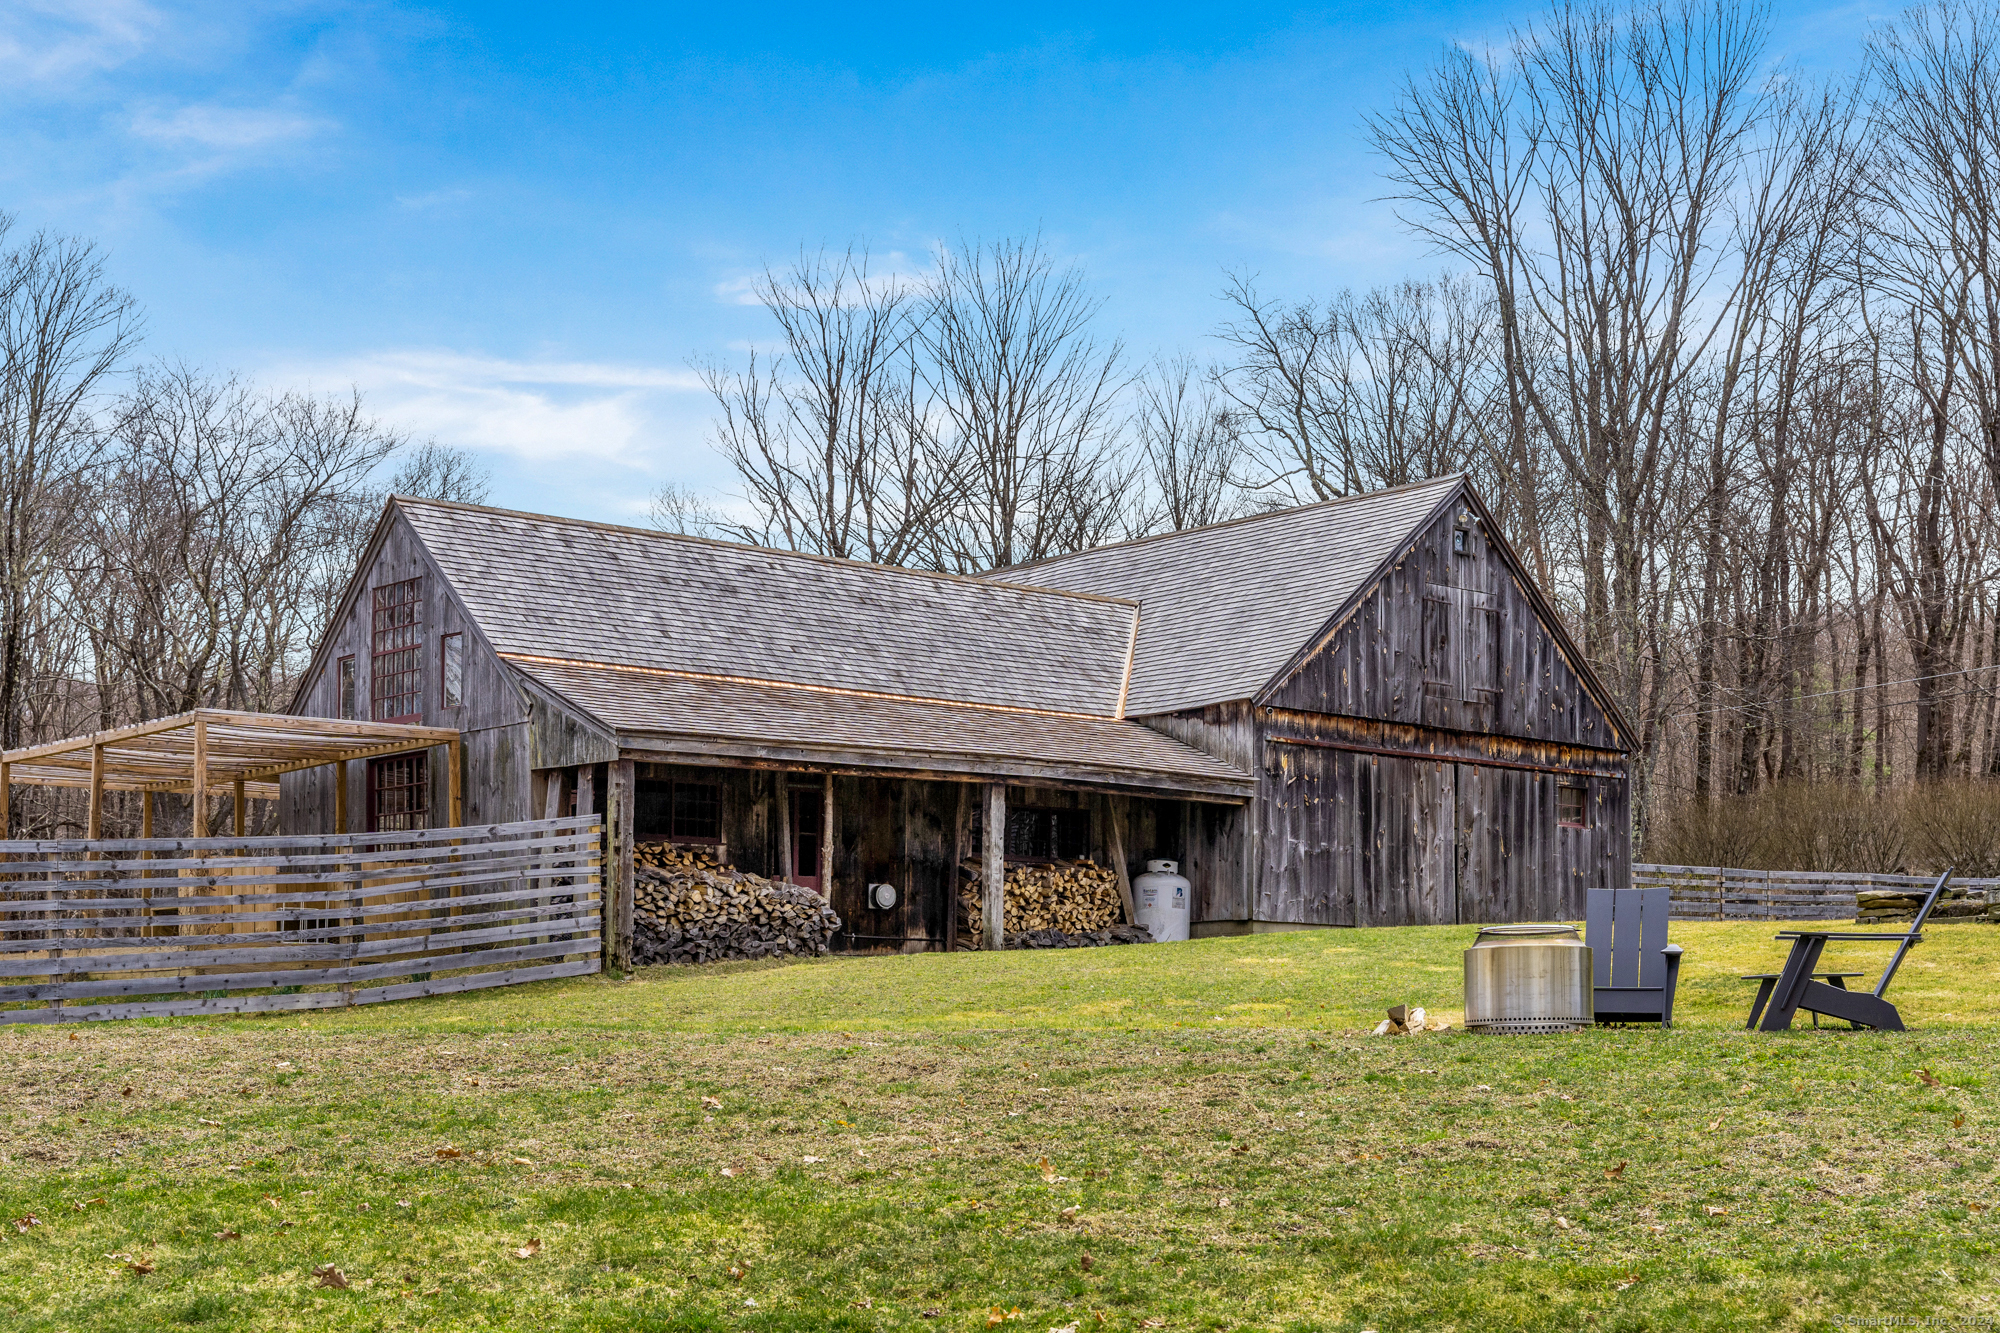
(1449, 641)
(493, 717)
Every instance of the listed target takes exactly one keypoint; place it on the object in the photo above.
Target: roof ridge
(974, 580)
(1231, 523)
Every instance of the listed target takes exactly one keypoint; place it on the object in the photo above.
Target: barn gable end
(1451, 636)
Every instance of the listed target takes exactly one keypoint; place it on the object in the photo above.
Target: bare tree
(682, 509)
(64, 332)
(1030, 401)
(433, 471)
(832, 439)
(1189, 438)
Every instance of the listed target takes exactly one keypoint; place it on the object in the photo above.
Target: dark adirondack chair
(1795, 988)
(1635, 968)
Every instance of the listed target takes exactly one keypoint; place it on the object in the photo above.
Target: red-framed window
(344, 675)
(1572, 805)
(451, 670)
(396, 682)
(399, 793)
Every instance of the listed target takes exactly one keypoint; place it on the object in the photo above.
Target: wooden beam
(455, 761)
(995, 837)
(242, 808)
(784, 829)
(340, 796)
(620, 793)
(552, 795)
(96, 824)
(961, 824)
(200, 777)
(826, 844)
(1114, 819)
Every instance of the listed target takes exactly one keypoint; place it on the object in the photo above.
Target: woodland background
(1720, 344)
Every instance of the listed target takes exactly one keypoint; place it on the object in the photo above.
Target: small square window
(451, 657)
(1572, 806)
(346, 676)
(1461, 542)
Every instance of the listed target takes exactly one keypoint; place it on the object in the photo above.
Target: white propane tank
(1161, 896)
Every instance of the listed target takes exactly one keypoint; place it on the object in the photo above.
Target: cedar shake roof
(559, 587)
(697, 715)
(1223, 609)
(683, 645)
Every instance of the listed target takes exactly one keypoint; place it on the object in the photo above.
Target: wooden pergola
(209, 748)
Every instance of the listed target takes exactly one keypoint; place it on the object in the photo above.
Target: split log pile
(688, 907)
(1901, 905)
(1062, 905)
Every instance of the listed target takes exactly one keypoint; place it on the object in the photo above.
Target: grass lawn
(1193, 1136)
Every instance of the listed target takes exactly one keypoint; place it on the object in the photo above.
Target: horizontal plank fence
(150, 927)
(1725, 893)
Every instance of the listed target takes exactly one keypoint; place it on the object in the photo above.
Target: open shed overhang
(211, 748)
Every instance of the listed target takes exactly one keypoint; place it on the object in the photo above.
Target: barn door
(1434, 897)
(1480, 864)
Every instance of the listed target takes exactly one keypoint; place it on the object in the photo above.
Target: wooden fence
(150, 927)
(1725, 893)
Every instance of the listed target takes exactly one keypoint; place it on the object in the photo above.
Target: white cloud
(535, 411)
(43, 42)
(225, 129)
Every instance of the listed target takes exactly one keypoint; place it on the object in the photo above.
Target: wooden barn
(1353, 713)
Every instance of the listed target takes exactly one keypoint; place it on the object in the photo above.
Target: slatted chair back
(1909, 939)
(1626, 930)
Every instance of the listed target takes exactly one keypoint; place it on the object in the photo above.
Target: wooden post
(620, 796)
(996, 866)
(340, 796)
(455, 760)
(146, 831)
(242, 807)
(6, 800)
(1115, 829)
(96, 824)
(200, 776)
(961, 820)
(826, 844)
(146, 814)
(784, 828)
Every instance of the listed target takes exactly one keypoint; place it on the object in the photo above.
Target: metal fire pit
(1528, 979)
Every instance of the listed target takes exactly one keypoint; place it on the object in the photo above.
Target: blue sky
(514, 226)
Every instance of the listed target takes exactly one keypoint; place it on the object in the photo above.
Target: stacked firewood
(1070, 898)
(688, 908)
(1903, 904)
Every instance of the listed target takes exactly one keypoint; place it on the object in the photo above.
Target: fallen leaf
(530, 1250)
(1630, 1280)
(1152, 1323)
(206, 1121)
(329, 1276)
(1616, 1173)
(125, 1091)
(1716, 1123)
(738, 1273)
(810, 1160)
(74, 1037)
(231, 1234)
(1048, 1172)
(1976, 1207)
(1715, 1212)
(366, 1208)
(402, 1203)
(1958, 1122)
(448, 1151)
(1085, 1263)
(729, 1171)
(87, 1202)
(930, 1314)
(711, 1103)
(1563, 1222)
(1930, 1080)
(140, 1266)
(23, 1223)
(1071, 1327)
(1069, 1214)
(1482, 1087)
(522, 1161)
(865, 1303)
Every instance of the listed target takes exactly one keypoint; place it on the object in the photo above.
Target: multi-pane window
(451, 670)
(346, 679)
(678, 811)
(1572, 809)
(396, 683)
(399, 793)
